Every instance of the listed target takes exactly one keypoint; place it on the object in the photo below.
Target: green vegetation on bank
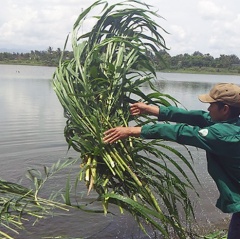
(183, 63)
(48, 57)
(200, 63)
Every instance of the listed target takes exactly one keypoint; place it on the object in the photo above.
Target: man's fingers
(134, 111)
(109, 131)
(114, 134)
(110, 136)
(110, 139)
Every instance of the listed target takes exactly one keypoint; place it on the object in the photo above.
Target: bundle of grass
(110, 65)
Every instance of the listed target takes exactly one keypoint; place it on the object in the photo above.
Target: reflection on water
(31, 126)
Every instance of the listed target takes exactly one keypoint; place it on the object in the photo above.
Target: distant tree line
(197, 60)
(48, 57)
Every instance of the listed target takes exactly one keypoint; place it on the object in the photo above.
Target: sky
(208, 26)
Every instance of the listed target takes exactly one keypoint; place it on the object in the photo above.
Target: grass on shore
(216, 235)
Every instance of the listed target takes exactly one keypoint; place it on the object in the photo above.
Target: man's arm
(180, 133)
(165, 131)
(173, 114)
(193, 117)
(114, 134)
(142, 108)
(207, 138)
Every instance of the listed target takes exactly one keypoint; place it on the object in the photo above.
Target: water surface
(31, 126)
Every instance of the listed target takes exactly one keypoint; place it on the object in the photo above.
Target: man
(216, 131)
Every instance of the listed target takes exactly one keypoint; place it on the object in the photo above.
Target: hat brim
(206, 98)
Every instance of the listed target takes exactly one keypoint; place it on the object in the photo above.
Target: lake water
(31, 126)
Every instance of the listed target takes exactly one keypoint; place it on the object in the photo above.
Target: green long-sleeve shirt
(220, 140)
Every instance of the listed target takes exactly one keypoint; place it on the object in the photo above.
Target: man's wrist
(135, 131)
(153, 110)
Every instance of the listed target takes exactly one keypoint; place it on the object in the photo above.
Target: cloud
(38, 24)
(210, 10)
(226, 35)
(208, 26)
(178, 32)
(220, 21)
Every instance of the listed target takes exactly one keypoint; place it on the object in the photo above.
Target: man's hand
(114, 134)
(142, 108)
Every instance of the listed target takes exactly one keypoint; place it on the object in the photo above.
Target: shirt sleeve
(196, 129)
(193, 117)
(183, 134)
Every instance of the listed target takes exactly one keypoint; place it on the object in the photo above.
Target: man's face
(216, 113)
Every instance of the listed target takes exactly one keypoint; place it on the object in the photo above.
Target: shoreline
(203, 70)
(27, 64)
